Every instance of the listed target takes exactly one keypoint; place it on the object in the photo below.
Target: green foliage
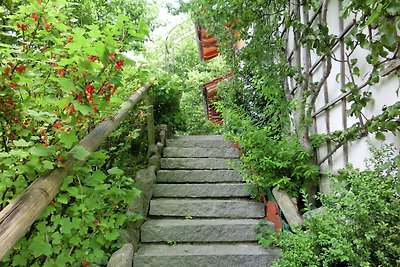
(60, 76)
(179, 98)
(359, 225)
(167, 95)
(274, 161)
(82, 223)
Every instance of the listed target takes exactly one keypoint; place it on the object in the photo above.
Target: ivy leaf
(81, 153)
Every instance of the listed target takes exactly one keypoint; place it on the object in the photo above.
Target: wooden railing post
(18, 216)
(150, 120)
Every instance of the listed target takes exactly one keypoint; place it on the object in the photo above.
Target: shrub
(360, 223)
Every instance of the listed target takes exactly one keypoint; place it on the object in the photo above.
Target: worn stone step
(194, 163)
(208, 208)
(198, 176)
(199, 152)
(204, 255)
(201, 190)
(211, 137)
(205, 141)
(199, 230)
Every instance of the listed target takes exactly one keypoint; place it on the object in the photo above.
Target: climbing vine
(274, 69)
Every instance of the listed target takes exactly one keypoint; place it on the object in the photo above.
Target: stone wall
(144, 180)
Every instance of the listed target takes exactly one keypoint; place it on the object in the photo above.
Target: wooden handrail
(18, 216)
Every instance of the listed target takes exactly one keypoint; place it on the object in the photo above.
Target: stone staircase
(201, 214)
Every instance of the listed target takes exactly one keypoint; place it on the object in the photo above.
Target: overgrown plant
(59, 78)
(359, 224)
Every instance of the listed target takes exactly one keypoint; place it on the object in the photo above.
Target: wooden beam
(289, 209)
(18, 216)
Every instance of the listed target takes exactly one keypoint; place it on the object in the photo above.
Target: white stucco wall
(384, 94)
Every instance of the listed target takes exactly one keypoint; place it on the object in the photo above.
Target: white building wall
(336, 118)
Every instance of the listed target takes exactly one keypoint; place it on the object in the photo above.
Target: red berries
(20, 68)
(119, 64)
(34, 16)
(111, 56)
(92, 58)
(57, 125)
(22, 27)
(89, 89)
(61, 72)
(85, 263)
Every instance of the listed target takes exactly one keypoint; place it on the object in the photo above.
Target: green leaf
(66, 85)
(4, 155)
(84, 109)
(115, 171)
(22, 143)
(41, 151)
(19, 153)
(42, 116)
(99, 176)
(20, 259)
(48, 165)
(100, 49)
(112, 235)
(380, 136)
(39, 247)
(62, 199)
(392, 126)
(68, 139)
(81, 153)
(66, 226)
(73, 191)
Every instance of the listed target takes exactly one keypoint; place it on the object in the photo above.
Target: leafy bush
(60, 76)
(360, 223)
(273, 155)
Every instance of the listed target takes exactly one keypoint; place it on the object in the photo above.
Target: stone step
(201, 190)
(194, 163)
(206, 141)
(199, 230)
(199, 152)
(207, 208)
(198, 176)
(204, 255)
(199, 137)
